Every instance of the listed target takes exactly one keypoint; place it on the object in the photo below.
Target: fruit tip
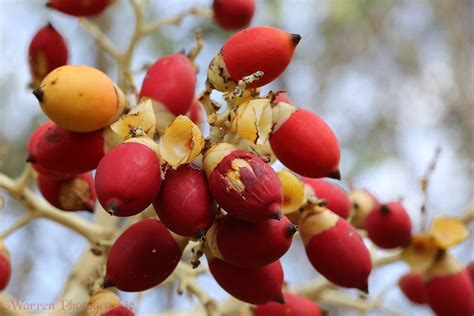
(90, 209)
(335, 175)
(39, 94)
(200, 233)
(31, 159)
(295, 39)
(280, 299)
(364, 288)
(292, 229)
(384, 209)
(112, 208)
(107, 283)
(277, 215)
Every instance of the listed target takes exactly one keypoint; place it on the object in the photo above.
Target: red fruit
(119, 311)
(47, 51)
(79, 7)
(195, 113)
(252, 285)
(362, 203)
(247, 245)
(304, 143)
(243, 185)
(73, 194)
(5, 266)
(185, 204)
(233, 14)
(335, 196)
(335, 249)
(448, 288)
(142, 257)
(470, 270)
(295, 305)
(283, 97)
(32, 143)
(261, 48)
(412, 285)
(128, 178)
(171, 80)
(389, 226)
(66, 152)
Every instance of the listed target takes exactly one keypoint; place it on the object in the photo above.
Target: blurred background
(393, 78)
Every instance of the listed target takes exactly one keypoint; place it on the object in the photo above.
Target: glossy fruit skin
(340, 255)
(389, 226)
(334, 195)
(127, 179)
(31, 148)
(47, 51)
(80, 98)
(65, 152)
(5, 271)
(54, 192)
(185, 204)
(295, 305)
(171, 80)
(233, 14)
(295, 145)
(451, 294)
(261, 48)
(250, 245)
(142, 257)
(252, 285)
(412, 285)
(79, 7)
(261, 197)
(119, 311)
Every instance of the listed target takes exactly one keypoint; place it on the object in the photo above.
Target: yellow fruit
(80, 98)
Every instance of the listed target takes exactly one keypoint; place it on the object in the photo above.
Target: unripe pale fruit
(389, 226)
(449, 290)
(80, 98)
(261, 48)
(233, 14)
(65, 152)
(32, 145)
(101, 302)
(79, 7)
(5, 266)
(304, 143)
(335, 249)
(362, 203)
(119, 311)
(47, 51)
(128, 178)
(142, 257)
(412, 285)
(335, 196)
(242, 184)
(171, 81)
(185, 204)
(73, 194)
(295, 305)
(247, 244)
(252, 285)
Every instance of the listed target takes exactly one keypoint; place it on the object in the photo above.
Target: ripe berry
(80, 98)
(5, 266)
(448, 288)
(47, 51)
(73, 194)
(334, 195)
(119, 311)
(294, 142)
(389, 226)
(142, 257)
(171, 81)
(128, 178)
(79, 7)
(335, 249)
(252, 285)
(470, 270)
(412, 285)
(65, 152)
(195, 113)
(233, 14)
(261, 48)
(185, 204)
(362, 203)
(247, 245)
(295, 305)
(32, 145)
(243, 184)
